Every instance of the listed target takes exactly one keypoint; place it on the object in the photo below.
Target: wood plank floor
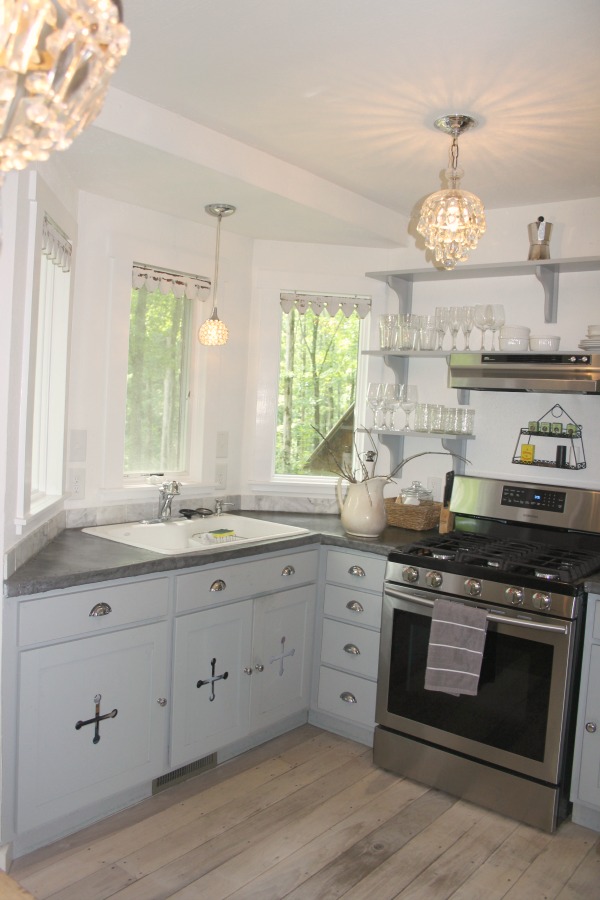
(309, 816)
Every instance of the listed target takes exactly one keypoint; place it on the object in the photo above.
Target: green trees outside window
(317, 388)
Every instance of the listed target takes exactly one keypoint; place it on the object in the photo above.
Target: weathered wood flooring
(309, 816)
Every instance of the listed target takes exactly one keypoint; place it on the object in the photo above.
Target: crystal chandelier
(452, 220)
(56, 61)
(213, 332)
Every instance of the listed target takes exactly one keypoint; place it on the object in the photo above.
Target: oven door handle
(524, 623)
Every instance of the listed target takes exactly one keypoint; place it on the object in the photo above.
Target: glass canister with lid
(416, 495)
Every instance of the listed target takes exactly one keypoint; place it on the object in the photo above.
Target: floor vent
(185, 772)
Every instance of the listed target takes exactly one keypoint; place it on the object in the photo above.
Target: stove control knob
(410, 574)
(541, 600)
(434, 579)
(473, 587)
(514, 595)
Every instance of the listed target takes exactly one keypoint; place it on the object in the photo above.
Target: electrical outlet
(435, 486)
(222, 444)
(221, 476)
(76, 482)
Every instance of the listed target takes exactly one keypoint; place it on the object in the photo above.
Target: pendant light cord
(220, 216)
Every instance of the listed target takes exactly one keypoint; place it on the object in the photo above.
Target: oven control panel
(533, 498)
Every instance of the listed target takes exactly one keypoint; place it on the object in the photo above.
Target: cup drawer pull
(100, 609)
(357, 571)
(352, 649)
(354, 606)
(347, 697)
(218, 585)
(288, 570)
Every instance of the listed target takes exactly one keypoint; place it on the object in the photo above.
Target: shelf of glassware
(394, 441)
(397, 360)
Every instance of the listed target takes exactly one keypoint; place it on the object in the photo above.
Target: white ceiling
(327, 110)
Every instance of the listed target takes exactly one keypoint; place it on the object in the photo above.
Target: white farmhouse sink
(186, 535)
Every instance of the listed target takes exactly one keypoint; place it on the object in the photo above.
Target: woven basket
(415, 518)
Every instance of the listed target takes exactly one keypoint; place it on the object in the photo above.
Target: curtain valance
(193, 287)
(331, 303)
(56, 245)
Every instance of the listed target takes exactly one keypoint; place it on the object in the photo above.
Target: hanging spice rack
(545, 433)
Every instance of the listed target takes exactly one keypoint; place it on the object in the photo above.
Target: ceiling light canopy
(452, 220)
(213, 332)
(56, 61)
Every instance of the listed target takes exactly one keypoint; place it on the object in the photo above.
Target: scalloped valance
(193, 287)
(330, 303)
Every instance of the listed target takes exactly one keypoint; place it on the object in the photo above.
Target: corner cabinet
(585, 786)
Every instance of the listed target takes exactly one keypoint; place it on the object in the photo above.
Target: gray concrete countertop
(74, 558)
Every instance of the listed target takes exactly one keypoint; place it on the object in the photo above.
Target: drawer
(235, 581)
(347, 696)
(356, 570)
(354, 607)
(60, 616)
(350, 647)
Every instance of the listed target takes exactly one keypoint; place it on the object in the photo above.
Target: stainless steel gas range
(520, 551)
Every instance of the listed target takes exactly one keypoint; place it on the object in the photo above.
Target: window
(51, 359)
(317, 382)
(158, 385)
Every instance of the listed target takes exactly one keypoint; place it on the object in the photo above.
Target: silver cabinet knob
(591, 727)
(162, 701)
(355, 606)
(100, 609)
(352, 649)
(357, 571)
(248, 670)
(288, 570)
(347, 697)
(218, 585)
(259, 667)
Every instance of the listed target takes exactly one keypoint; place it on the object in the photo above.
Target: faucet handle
(220, 505)
(171, 487)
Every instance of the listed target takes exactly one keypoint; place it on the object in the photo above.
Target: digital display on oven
(533, 498)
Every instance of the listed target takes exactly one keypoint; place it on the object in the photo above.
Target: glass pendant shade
(452, 220)
(56, 61)
(213, 332)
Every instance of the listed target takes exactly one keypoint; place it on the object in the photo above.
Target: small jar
(436, 418)
(416, 495)
(464, 420)
(422, 417)
(449, 420)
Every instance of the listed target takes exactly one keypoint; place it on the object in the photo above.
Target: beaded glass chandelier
(213, 332)
(452, 220)
(56, 61)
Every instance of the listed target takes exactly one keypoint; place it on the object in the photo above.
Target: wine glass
(496, 321)
(392, 396)
(442, 317)
(455, 321)
(410, 396)
(375, 394)
(482, 321)
(468, 321)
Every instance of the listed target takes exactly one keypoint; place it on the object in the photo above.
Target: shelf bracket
(456, 445)
(548, 278)
(403, 287)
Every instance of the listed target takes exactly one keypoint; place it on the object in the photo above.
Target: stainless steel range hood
(555, 373)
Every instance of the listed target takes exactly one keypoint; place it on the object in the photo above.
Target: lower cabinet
(239, 668)
(585, 789)
(92, 720)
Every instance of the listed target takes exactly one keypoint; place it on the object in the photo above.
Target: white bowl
(514, 331)
(514, 343)
(544, 342)
(594, 330)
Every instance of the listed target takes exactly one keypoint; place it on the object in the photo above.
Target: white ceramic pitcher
(362, 509)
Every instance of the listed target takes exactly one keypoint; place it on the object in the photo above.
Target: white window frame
(33, 507)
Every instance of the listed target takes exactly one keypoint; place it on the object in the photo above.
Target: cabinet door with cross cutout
(211, 681)
(281, 654)
(93, 720)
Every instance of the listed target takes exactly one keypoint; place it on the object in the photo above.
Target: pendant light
(213, 332)
(452, 220)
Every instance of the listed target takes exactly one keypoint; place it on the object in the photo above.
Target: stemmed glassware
(410, 396)
(482, 321)
(455, 321)
(496, 321)
(392, 396)
(375, 398)
(468, 320)
(442, 321)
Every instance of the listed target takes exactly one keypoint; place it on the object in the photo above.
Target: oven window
(510, 711)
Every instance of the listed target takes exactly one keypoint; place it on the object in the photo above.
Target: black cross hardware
(212, 679)
(282, 655)
(96, 719)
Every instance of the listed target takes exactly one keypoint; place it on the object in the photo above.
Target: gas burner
(548, 575)
(442, 554)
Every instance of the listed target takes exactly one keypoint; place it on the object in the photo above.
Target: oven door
(518, 718)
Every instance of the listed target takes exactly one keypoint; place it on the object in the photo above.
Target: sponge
(222, 534)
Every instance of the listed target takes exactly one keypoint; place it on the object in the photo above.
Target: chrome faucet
(167, 491)
(220, 505)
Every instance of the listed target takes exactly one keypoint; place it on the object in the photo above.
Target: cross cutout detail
(282, 655)
(212, 679)
(96, 719)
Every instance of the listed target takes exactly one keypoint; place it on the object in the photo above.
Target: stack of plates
(592, 341)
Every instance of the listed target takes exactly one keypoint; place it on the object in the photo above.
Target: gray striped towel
(456, 647)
